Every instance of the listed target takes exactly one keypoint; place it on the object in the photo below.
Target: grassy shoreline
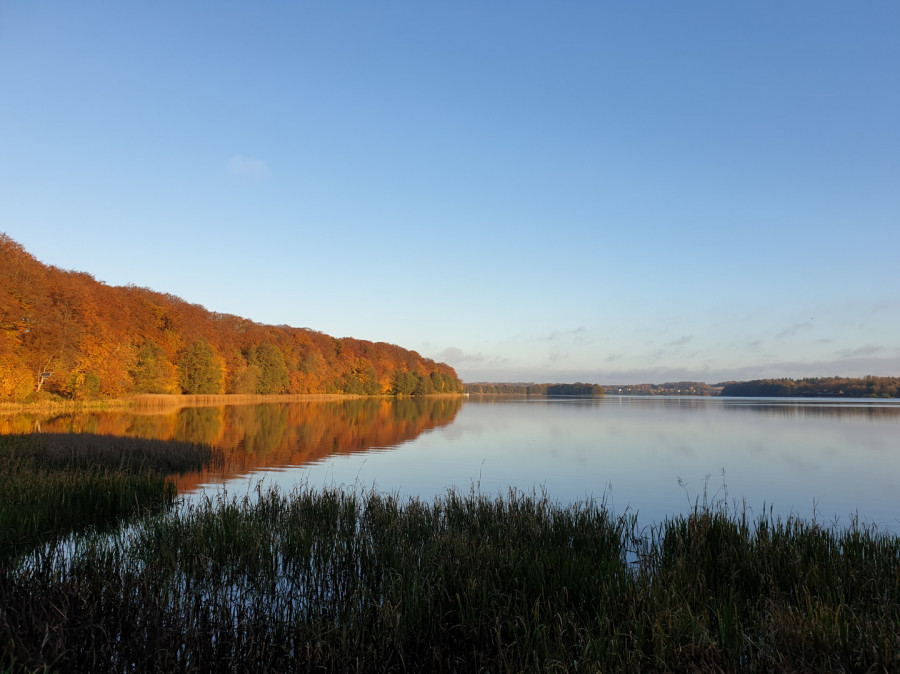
(358, 581)
(145, 401)
(57, 483)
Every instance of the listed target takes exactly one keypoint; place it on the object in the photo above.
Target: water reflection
(257, 437)
(654, 456)
(808, 457)
(857, 408)
(874, 409)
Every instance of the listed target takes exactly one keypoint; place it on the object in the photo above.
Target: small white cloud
(577, 334)
(453, 354)
(867, 350)
(681, 341)
(248, 167)
(793, 330)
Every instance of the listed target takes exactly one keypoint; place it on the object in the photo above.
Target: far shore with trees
(816, 387)
(813, 387)
(577, 389)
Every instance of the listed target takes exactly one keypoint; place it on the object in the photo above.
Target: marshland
(266, 563)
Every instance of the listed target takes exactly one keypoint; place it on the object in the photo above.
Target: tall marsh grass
(57, 483)
(354, 581)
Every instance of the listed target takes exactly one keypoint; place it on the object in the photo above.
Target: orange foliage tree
(66, 334)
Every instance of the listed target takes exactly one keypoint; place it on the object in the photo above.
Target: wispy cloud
(846, 367)
(578, 335)
(459, 358)
(248, 168)
(681, 341)
(794, 329)
(867, 350)
(891, 306)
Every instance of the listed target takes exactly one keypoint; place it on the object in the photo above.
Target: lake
(827, 458)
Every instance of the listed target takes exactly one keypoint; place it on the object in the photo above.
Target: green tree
(199, 369)
(362, 379)
(245, 379)
(350, 384)
(424, 385)
(438, 383)
(405, 382)
(152, 372)
(85, 385)
(273, 372)
(371, 385)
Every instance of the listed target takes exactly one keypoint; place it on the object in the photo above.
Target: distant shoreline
(811, 387)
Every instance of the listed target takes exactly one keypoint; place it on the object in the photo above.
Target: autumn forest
(65, 334)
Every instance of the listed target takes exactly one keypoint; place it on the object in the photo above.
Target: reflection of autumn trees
(66, 333)
(259, 436)
(822, 410)
(201, 425)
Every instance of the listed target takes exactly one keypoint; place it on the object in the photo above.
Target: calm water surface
(825, 458)
(655, 456)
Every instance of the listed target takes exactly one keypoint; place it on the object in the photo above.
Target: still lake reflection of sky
(832, 458)
(838, 456)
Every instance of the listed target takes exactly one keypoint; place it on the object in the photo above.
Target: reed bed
(346, 580)
(168, 401)
(54, 404)
(54, 484)
(154, 401)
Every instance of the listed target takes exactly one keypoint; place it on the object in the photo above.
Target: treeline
(66, 334)
(669, 388)
(845, 387)
(577, 389)
(840, 387)
(517, 388)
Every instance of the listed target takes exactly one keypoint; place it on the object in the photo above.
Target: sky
(609, 192)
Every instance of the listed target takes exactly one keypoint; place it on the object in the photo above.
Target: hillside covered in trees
(64, 333)
(816, 387)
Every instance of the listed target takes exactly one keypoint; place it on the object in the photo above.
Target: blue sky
(614, 192)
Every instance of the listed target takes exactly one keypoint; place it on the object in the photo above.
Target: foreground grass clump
(57, 483)
(348, 581)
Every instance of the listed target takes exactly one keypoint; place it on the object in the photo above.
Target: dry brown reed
(161, 400)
